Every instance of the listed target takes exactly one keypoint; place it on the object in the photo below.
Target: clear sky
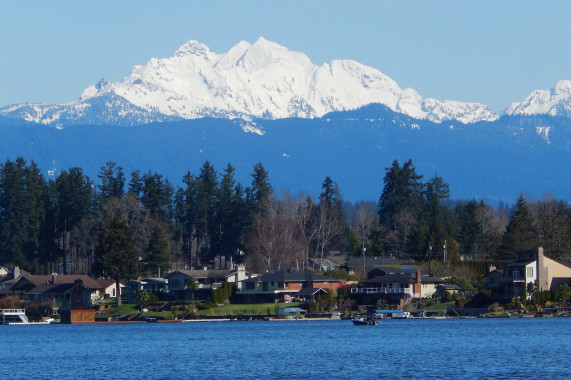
(492, 52)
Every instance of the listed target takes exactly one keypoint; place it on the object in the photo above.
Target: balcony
(381, 291)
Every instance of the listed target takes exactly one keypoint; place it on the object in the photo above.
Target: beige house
(549, 271)
(528, 268)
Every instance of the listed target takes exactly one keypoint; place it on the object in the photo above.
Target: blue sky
(492, 52)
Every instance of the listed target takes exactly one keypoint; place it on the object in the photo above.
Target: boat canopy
(291, 310)
(386, 311)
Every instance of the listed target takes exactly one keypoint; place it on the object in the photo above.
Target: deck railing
(380, 291)
(12, 311)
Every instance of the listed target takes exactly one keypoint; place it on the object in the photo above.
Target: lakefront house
(285, 286)
(531, 267)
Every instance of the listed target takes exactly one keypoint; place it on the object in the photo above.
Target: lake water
(527, 348)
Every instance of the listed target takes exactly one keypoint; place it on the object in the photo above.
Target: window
(250, 285)
(515, 274)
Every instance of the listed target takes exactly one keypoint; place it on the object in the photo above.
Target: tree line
(70, 223)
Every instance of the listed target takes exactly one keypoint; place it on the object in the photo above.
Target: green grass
(122, 310)
(218, 311)
(245, 309)
(440, 307)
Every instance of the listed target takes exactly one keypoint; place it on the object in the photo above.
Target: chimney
(17, 272)
(54, 275)
(541, 270)
(418, 275)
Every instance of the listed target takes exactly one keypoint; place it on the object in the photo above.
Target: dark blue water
(534, 348)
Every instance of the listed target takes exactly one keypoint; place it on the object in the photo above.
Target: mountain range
(262, 102)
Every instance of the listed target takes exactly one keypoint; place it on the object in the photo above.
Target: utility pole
(363, 248)
(429, 255)
(445, 253)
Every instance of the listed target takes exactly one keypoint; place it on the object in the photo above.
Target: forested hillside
(212, 218)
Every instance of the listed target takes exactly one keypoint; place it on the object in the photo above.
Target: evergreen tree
(185, 204)
(157, 257)
(38, 203)
(74, 201)
(208, 232)
(399, 207)
(112, 182)
(520, 233)
(261, 191)
(432, 231)
(402, 192)
(329, 220)
(156, 195)
(231, 215)
(13, 213)
(470, 228)
(115, 254)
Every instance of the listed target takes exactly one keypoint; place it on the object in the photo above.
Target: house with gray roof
(284, 286)
(203, 281)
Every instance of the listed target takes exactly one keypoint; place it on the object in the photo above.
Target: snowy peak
(554, 102)
(195, 48)
(266, 80)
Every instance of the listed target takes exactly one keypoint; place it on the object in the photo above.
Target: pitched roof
(213, 274)
(309, 291)
(431, 280)
(495, 272)
(54, 289)
(519, 263)
(35, 280)
(390, 278)
(450, 287)
(292, 276)
(105, 283)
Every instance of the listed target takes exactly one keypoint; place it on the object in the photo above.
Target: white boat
(392, 314)
(18, 317)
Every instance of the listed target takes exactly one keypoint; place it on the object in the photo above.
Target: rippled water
(530, 348)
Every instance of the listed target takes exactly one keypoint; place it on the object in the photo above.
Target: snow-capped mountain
(554, 102)
(266, 80)
(260, 80)
(101, 110)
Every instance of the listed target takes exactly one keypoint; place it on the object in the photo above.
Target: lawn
(217, 311)
(440, 307)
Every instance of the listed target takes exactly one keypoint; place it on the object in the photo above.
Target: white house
(205, 280)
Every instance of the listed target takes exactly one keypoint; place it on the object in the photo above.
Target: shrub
(10, 302)
(206, 305)
(495, 307)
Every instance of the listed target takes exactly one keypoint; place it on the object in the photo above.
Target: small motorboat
(364, 321)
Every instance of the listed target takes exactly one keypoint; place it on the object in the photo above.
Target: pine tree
(185, 211)
(520, 235)
(112, 182)
(115, 254)
(157, 257)
(207, 231)
(13, 213)
(74, 201)
(400, 206)
(261, 191)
